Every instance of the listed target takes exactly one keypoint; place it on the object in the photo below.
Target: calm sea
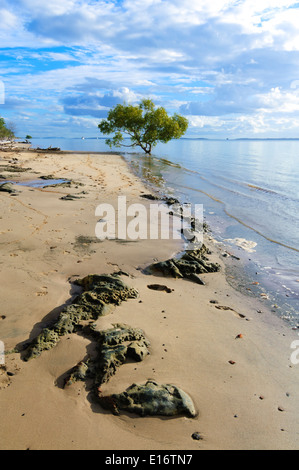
(250, 193)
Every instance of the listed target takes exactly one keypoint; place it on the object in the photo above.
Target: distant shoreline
(228, 139)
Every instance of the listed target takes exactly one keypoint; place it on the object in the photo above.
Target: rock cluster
(188, 266)
(113, 348)
(99, 292)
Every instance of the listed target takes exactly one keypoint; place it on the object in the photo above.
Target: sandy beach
(225, 350)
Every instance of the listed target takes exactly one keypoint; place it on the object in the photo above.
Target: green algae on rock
(150, 399)
(107, 288)
(114, 347)
(100, 292)
(7, 188)
(14, 168)
(79, 372)
(46, 340)
(188, 266)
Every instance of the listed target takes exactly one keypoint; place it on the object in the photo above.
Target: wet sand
(225, 350)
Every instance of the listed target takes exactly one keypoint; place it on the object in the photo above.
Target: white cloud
(280, 101)
(8, 19)
(61, 57)
(52, 7)
(229, 64)
(203, 121)
(257, 125)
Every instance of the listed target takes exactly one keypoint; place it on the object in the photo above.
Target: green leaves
(5, 132)
(145, 124)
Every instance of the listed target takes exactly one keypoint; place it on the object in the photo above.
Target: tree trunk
(147, 148)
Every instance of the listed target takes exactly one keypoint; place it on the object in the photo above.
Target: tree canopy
(5, 131)
(145, 124)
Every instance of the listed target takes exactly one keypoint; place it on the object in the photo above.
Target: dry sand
(248, 403)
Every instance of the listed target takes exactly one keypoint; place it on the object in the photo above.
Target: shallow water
(39, 183)
(250, 193)
(42, 183)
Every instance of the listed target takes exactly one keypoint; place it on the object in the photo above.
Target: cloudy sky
(230, 66)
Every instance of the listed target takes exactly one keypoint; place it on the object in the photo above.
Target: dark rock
(150, 196)
(13, 168)
(138, 350)
(188, 266)
(108, 288)
(52, 149)
(196, 436)
(63, 184)
(121, 273)
(47, 177)
(170, 201)
(7, 188)
(70, 197)
(160, 287)
(150, 399)
(100, 293)
(79, 372)
(114, 347)
(46, 340)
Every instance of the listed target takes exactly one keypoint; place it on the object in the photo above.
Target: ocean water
(250, 193)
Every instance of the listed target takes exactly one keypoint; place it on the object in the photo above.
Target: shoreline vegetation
(124, 344)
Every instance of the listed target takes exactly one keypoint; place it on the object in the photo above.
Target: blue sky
(230, 66)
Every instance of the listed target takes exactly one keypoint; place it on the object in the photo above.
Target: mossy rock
(108, 289)
(79, 372)
(7, 188)
(13, 168)
(46, 340)
(114, 347)
(188, 266)
(101, 293)
(150, 399)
